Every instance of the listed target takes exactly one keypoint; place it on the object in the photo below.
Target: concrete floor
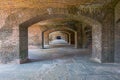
(60, 63)
(58, 41)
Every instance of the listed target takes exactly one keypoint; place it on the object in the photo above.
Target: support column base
(96, 60)
(24, 61)
(15, 61)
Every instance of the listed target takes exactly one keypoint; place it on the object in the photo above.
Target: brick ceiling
(7, 4)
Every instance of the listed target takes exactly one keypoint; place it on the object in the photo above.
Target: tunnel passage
(23, 35)
(59, 35)
(59, 39)
(65, 39)
(73, 33)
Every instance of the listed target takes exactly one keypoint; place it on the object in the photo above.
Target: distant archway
(48, 31)
(66, 38)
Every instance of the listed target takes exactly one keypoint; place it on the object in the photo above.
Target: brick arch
(118, 21)
(71, 37)
(22, 24)
(68, 35)
(96, 28)
(48, 31)
(65, 33)
(43, 17)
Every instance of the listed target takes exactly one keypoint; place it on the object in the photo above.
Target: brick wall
(117, 33)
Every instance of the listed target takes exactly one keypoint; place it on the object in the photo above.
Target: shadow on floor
(57, 53)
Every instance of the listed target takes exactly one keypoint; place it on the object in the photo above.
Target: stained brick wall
(117, 42)
(9, 34)
(117, 33)
(35, 35)
(108, 37)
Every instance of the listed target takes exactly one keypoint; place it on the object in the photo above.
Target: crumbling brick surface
(14, 32)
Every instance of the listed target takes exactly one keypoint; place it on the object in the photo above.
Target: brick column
(42, 40)
(108, 38)
(23, 44)
(69, 39)
(76, 40)
(117, 41)
(79, 36)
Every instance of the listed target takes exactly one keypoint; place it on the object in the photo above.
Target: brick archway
(59, 35)
(96, 28)
(68, 36)
(60, 29)
(21, 30)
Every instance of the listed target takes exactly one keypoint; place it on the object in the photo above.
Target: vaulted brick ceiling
(55, 21)
(4, 4)
(7, 5)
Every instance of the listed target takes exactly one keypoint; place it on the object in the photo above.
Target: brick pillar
(96, 42)
(69, 39)
(23, 44)
(42, 40)
(117, 41)
(108, 38)
(9, 48)
(79, 36)
(46, 39)
(76, 40)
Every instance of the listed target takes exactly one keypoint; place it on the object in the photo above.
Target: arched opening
(58, 37)
(72, 39)
(96, 29)
(68, 37)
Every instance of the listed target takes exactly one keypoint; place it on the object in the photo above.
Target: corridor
(59, 39)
